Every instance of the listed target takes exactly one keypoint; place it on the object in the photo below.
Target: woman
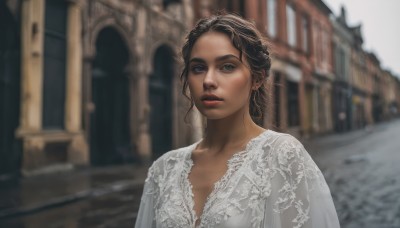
(240, 174)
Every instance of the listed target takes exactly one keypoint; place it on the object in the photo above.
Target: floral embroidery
(272, 163)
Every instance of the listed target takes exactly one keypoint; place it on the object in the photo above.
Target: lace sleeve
(145, 216)
(299, 195)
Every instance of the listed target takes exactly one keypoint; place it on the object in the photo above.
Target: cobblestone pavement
(362, 171)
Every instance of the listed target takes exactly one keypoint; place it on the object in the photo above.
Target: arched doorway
(110, 135)
(160, 89)
(10, 147)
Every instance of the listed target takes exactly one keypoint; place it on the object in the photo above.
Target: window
(291, 25)
(317, 43)
(166, 3)
(304, 24)
(325, 45)
(336, 63)
(271, 8)
(54, 64)
(293, 104)
(343, 64)
(340, 61)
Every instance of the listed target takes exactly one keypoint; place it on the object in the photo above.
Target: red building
(300, 81)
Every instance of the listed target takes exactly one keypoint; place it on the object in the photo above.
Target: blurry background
(90, 95)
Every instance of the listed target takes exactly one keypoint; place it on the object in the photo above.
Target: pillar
(32, 39)
(78, 152)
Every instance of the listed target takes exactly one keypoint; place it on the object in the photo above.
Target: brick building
(301, 74)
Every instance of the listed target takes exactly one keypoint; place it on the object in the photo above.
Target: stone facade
(38, 144)
(113, 49)
(115, 95)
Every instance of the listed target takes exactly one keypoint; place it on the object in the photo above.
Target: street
(95, 197)
(361, 168)
(362, 171)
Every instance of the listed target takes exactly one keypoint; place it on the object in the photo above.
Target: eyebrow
(218, 59)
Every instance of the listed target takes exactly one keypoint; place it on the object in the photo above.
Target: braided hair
(251, 44)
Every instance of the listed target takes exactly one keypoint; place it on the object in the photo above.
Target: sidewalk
(32, 194)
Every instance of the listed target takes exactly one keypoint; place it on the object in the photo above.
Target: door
(10, 147)
(160, 89)
(110, 135)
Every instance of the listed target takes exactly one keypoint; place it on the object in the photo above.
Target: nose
(210, 80)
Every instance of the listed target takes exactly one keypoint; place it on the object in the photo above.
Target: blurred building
(322, 33)
(374, 73)
(301, 76)
(342, 91)
(96, 82)
(89, 82)
(389, 98)
(321, 77)
(396, 105)
(358, 75)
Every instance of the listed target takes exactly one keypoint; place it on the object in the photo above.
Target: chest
(209, 194)
(204, 175)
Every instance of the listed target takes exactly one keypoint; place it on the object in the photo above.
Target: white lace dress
(273, 183)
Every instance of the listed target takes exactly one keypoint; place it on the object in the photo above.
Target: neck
(231, 132)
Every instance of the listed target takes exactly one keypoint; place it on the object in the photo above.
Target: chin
(215, 114)
(212, 114)
(213, 117)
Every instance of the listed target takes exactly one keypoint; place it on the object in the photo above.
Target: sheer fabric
(273, 183)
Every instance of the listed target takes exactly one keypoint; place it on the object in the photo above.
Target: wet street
(105, 197)
(361, 167)
(110, 210)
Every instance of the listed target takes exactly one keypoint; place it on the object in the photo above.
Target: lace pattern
(271, 180)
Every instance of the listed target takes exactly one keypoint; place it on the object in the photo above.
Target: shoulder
(289, 159)
(280, 141)
(283, 149)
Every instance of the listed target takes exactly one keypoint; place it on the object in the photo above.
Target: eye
(228, 67)
(196, 69)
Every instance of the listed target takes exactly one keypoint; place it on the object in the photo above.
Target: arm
(299, 195)
(145, 216)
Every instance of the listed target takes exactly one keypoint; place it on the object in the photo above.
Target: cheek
(193, 87)
(240, 86)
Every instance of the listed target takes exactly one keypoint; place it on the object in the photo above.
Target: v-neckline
(223, 180)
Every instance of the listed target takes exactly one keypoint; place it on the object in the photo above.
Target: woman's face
(218, 81)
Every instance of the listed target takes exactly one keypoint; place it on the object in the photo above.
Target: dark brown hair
(251, 44)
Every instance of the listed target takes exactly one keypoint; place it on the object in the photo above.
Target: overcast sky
(380, 27)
